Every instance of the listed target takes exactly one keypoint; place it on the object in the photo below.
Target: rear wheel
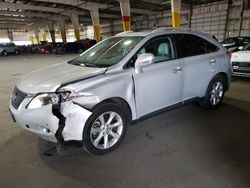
(215, 93)
(105, 129)
(5, 53)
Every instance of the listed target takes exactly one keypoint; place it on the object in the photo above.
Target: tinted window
(210, 47)
(162, 48)
(191, 45)
(247, 47)
(229, 41)
(246, 40)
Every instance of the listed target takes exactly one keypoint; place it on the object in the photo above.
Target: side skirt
(169, 108)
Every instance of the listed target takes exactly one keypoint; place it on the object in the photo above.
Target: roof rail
(161, 29)
(124, 32)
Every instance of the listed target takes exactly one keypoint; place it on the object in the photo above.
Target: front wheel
(105, 129)
(215, 93)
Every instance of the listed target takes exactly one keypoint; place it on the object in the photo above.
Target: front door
(159, 85)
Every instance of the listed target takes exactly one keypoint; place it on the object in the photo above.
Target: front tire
(215, 93)
(105, 129)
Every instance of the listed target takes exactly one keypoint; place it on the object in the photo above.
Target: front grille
(242, 71)
(241, 64)
(17, 98)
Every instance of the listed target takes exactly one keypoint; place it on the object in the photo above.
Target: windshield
(107, 53)
(247, 47)
(229, 41)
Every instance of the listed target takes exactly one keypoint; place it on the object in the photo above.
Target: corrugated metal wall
(210, 18)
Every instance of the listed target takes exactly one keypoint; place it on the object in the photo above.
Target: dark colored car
(74, 47)
(233, 44)
(34, 48)
(22, 48)
(47, 48)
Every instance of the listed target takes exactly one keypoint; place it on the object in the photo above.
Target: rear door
(200, 63)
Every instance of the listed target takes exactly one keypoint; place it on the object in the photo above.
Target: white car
(94, 97)
(241, 62)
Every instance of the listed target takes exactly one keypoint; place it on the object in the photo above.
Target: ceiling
(15, 10)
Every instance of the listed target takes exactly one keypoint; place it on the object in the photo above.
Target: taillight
(229, 54)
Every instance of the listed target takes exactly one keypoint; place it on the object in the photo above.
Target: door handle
(176, 69)
(212, 61)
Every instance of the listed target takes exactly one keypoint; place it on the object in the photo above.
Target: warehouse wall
(210, 18)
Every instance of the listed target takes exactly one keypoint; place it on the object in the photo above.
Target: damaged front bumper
(42, 122)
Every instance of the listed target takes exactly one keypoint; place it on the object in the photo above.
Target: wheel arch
(120, 102)
(223, 75)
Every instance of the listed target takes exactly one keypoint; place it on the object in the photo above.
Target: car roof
(161, 31)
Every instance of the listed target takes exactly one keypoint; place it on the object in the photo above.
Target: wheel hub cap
(106, 130)
(216, 93)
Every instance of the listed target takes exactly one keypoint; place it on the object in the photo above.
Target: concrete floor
(187, 147)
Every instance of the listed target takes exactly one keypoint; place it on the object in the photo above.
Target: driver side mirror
(143, 60)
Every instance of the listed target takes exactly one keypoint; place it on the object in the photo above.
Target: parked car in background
(34, 48)
(234, 44)
(22, 49)
(125, 78)
(241, 62)
(47, 48)
(8, 48)
(74, 47)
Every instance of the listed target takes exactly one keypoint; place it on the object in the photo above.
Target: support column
(176, 13)
(75, 23)
(126, 18)
(241, 17)
(52, 31)
(61, 23)
(36, 36)
(190, 16)
(94, 12)
(44, 38)
(10, 35)
(31, 38)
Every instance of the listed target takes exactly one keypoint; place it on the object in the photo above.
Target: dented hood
(50, 78)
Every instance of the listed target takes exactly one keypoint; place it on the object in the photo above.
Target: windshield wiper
(79, 63)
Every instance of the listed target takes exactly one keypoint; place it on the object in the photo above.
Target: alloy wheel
(106, 130)
(216, 93)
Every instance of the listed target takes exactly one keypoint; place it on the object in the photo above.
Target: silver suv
(94, 97)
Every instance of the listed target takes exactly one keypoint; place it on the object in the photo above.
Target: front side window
(161, 48)
(107, 53)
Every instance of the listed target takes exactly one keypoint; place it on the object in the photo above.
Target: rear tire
(215, 93)
(105, 129)
(5, 53)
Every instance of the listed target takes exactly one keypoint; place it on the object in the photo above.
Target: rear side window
(190, 45)
(210, 48)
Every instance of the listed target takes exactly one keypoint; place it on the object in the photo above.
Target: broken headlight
(43, 99)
